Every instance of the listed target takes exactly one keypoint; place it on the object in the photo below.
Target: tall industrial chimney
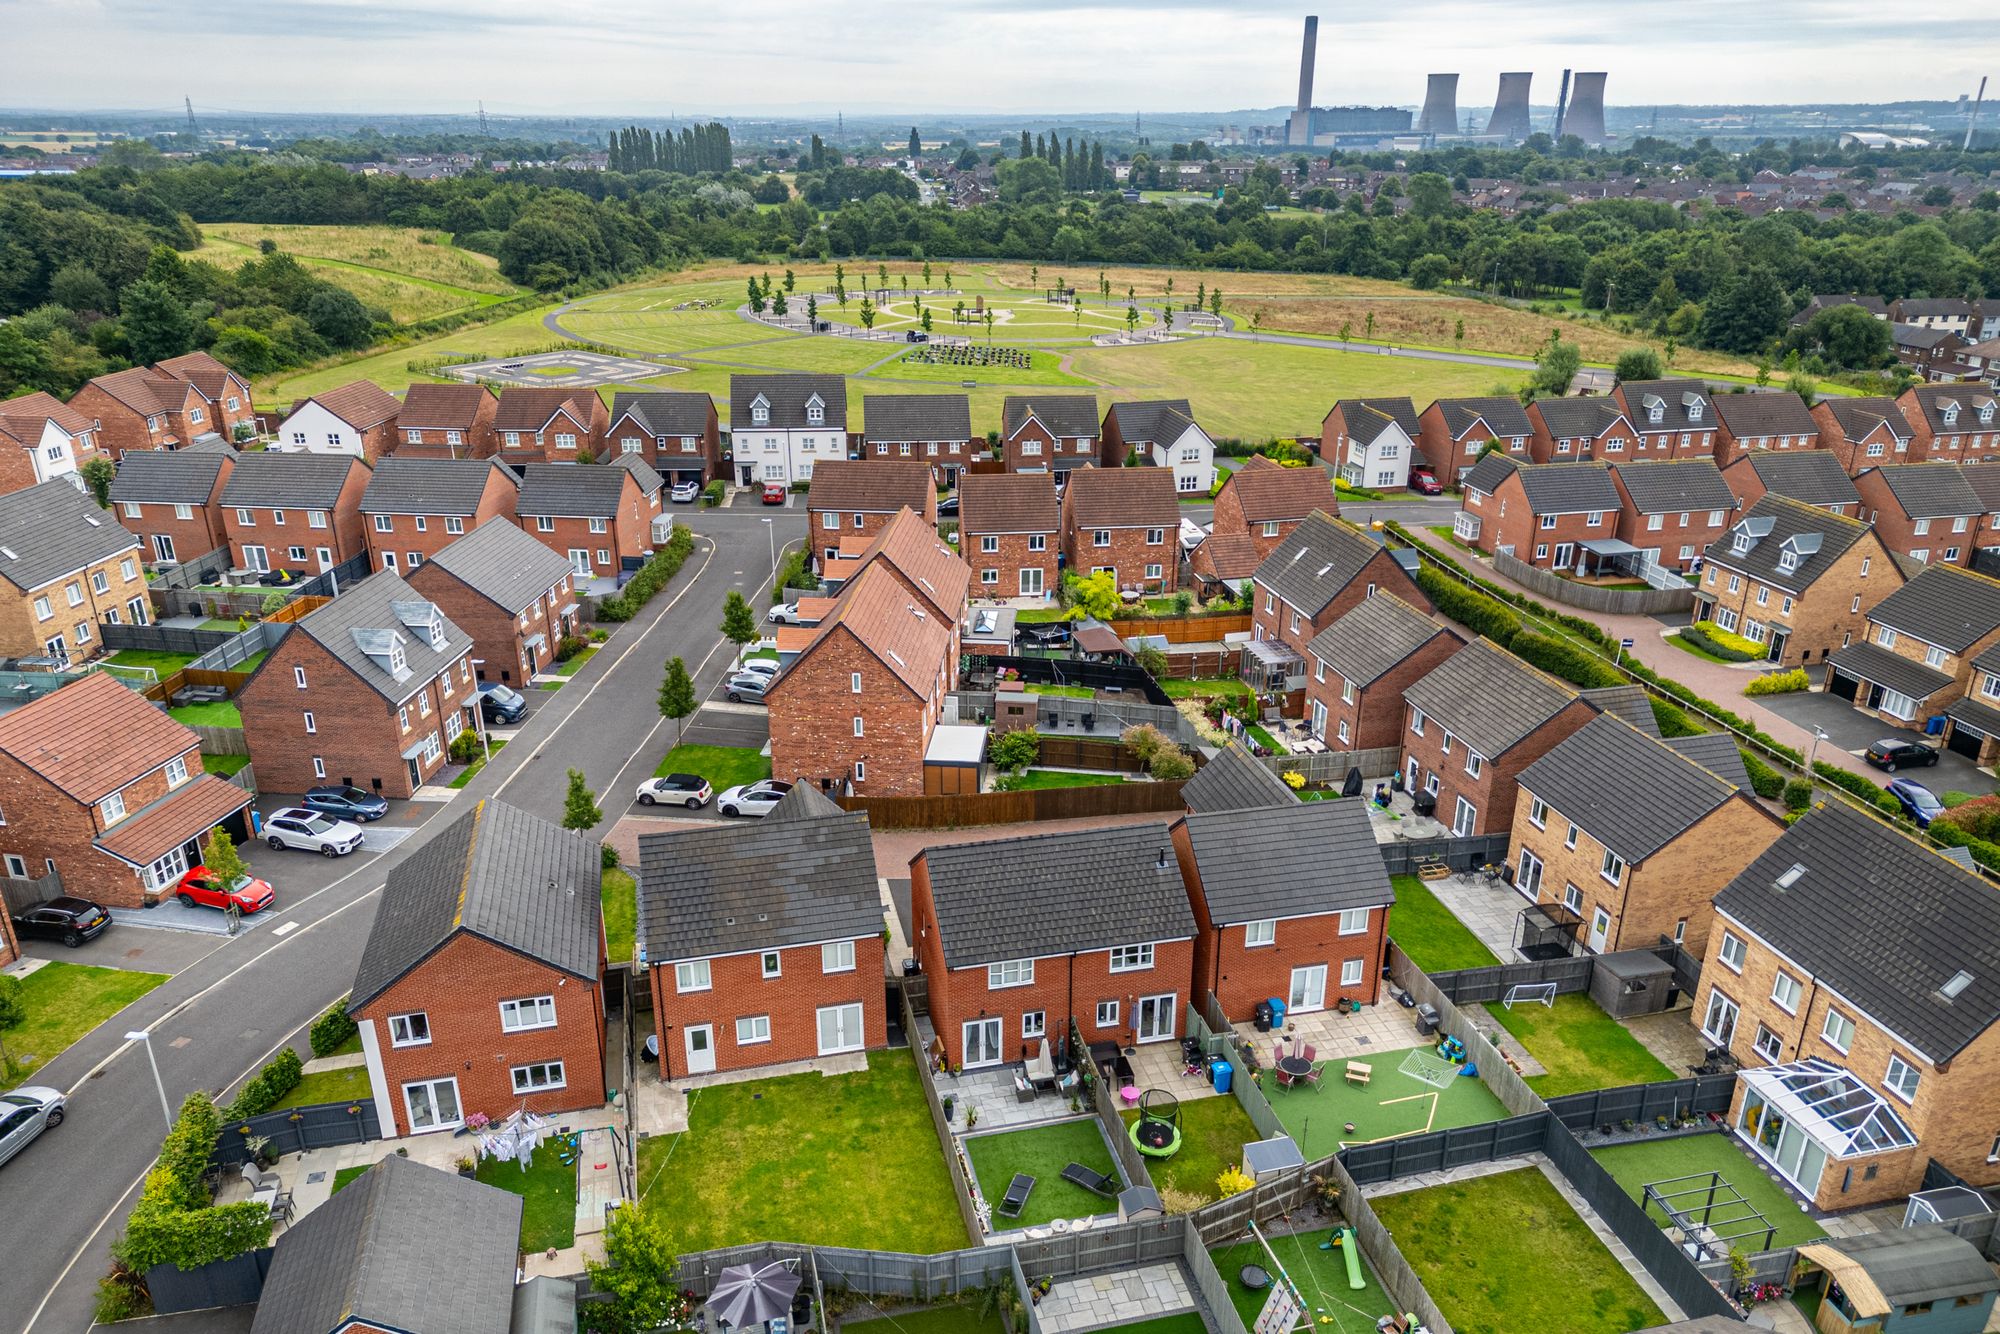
(1440, 106)
(1562, 105)
(1510, 109)
(1586, 109)
(1972, 122)
(1299, 132)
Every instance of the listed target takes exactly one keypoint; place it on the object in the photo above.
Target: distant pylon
(482, 119)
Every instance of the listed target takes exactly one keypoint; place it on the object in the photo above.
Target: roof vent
(93, 521)
(729, 921)
(1960, 980)
(1162, 863)
(1789, 878)
(1323, 570)
(763, 917)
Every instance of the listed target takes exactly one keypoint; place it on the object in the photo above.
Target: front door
(1563, 552)
(1600, 927)
(1031, 581)
(700, 1042)
(1308, 988)
(432, 1105)
(1156, 1017)
(324, 555)
(163, 547)
(982, 1042)
(1779, 638)
(840, 1029)
(579, 562)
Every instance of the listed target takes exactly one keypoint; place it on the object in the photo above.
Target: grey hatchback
(26, 1113)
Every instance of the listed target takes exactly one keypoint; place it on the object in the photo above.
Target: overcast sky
(607, 57)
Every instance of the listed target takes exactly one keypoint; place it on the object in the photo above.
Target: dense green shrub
(175, 1222)
(1798, 794)
(1765, 781)
(268, 1086)
(1672, 722)
(794, 571)
(1702, 636)
(331, 1029)
(1015, 750)
(1565, 661)
(712, 494)
(651, 578)
(465, 747)
(1778, 683)
(1169, 763)
(569, 646)
(1477, 612)
(1858, 786)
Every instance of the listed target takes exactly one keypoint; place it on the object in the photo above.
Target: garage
(1962, 740)
(1841, 687)
(1974, 730)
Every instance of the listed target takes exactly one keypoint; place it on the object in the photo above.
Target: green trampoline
(1157, 1132)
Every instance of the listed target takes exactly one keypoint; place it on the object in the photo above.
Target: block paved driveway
(1851, 731)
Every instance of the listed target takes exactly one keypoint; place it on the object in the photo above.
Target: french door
(163, 547)
(1308, 988)
(256, 560)
(1156, 1017)
(1528, 879)
(982, 1042)
(1031, 581)
(840, 1029)
(432, 1105)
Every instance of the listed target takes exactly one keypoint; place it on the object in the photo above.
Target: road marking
(286, 929)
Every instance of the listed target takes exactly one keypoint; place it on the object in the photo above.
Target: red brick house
(1672, 510)
(1865, 433)
(678, 433)
(98, 784)
(1317, 575)
(1812, 476)
(764, 945)
(227, 394)
(1955, 423)
(1454, 432)
(1009, 525)
(369, 690)
(1160, 433)
(1288, 901)
(1926, 511)
(1369, 442)
(1223, 564)
(358, 420)
(1581, 430)
(549, 425)
(1542, 514)
(296, 512)
(856, 496)
(928, 569)
(42, 438)
(446, 421)
(481, 989)
(1985, 479)
(1756, 423)
(173, 502)
(935, 429)
(598, 517)
(1362, 663)
(1127, 521)
(1674, 419)
(142, 409)
(415, 507)
(1096, 931)
(1265, 502)
(506, 590)
(1049, 432)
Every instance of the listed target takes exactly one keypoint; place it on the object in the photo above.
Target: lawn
(846, 1160)
(1065, 692)
(948, 1319)
(1041, 615)
(1685, 1155)
(723, 766)
(1320, 1276)
(620, 894)
(1506, 1252)
(1435, 940)
(1702, 653)
(347, 1176)
(1213, 1133)
(1042, 1152)
(224, 766)
(390, 368)
(349, 1084)
(1036, 780)
(407, 252)
(1181, 687)
(228, 625)
(568, 666)
(1264, 739)
(163, 664)
(548, 1195)
(1187, 1322)
(478, 763)
(222, 713)
(64, 1001)
(1390, 1106)
(1581, 1046)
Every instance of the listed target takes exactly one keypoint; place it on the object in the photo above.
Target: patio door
(256, 560)
(1529, 878)
(432, 1105)
(1031, 581)
(699, 1041)
(840, 1029)
(982, 1042)
(1464, 817)
(579, 562)
(163, 547)
(1157, 1016)
(1308, 988)
(1563, 553)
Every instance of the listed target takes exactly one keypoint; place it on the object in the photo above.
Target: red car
(249, 894)
(774, 493)
(1425, 482)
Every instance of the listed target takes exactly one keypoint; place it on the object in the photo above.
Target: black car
(948, 508)
(349, 803)
(501, 704)
(1050, 634)
(1893, 753)
(72, 921)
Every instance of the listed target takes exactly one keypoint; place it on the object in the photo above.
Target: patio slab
(1489, 909)
(1081, 1304)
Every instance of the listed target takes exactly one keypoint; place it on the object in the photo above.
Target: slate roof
(1265, 491)
(1931, 490)
(1379, 633)
(873, 486)
(267, 479)
(1488, 698)
(1008, 502)
(896, 418)
(1932, 306)
(1628, 791)
(503, 564)
(1319, 559)
(1504, 418)
(1687, 484)
(1716, 752)
(1064, 414)
(1872, 662)
(1152, 422)
(787, 396)
(1880, 919)
(167, 477)
(92, 736)
(1050, 894)
(53, 529)
(665, 412)
(1811, 475)
(1233, 779)
(1629, 702)
(1678, 401)
(533, 408)
(1856, 417)
(1918, 338)
(1311, 858)
(1984, 479)
(442, 407)
(1569, 488)
(1123, 498)
(1753, 416)
(581, 490)
(728, 890)
(514, 879)
(1944, 605)
(362, 404)
(1932, 399)
(431, 486)
(803, 802)
(1367, 418)
(1577, 418)
(404, 1246)
(1490, 471)
(1790, 523)
(371, 608)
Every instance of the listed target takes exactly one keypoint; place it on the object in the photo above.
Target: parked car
(349, 803)
(785, 613)
(1893, 753)
(686, 493)
(501, 703)
(199, 889)
(1047, 634)
(314, 831)
(774, 493)
(764, 667)
(948, 508)
(1192, 534)
(689, 790)
(746, 688)
(1425, 482)
(753, 799)
(72, 921)
(1918, 802)
(25, 1113)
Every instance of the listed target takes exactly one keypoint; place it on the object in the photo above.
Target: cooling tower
(1510, 109)
(1440, 106)
(1299, 131)
(1586, 109)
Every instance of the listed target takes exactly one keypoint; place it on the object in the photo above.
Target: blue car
(1918, 802)
(349, 803)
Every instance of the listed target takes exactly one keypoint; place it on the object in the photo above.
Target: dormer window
(397, 662)
(1948, 413)
(1694, 412)
(815, 411)
(1656, 414)
(1741, 544)
(760, 411)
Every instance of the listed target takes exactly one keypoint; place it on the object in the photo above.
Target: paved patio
(1339, 1037)
(1490, 909)
(1399, 820)
(1081, 1304)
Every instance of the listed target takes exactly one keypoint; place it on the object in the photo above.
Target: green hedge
(332, 1028)
(1699, 637)
(1778, 683)
(174, 1222)
(712, 494)
(1562, 660)
(1765, 781)
(794, 571)
(1478, 613)
(269, 1085)
(651, 578)
(1858, 786)
(1672, 722)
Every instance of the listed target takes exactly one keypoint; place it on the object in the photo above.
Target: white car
(764, 667)
(785, 613)
(25, 1113)
(689, 790)
(686, 493)
(313, 831)
(755, 799)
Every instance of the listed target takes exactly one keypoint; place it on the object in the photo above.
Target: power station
(1510, 109)
(1336, 127)
(1440, 114)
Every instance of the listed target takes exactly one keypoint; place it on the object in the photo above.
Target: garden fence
(163, 639)
(1499, 1077)
(959, 1170)
(1687, 967)
(986, 808)
(1459, 854)
(1058, 713)
(1471, 985)
(1114, 676)
(221, 740)
(232, 1282)
(1133, 1162)
(1444, 1150)
(1399, 1280)
(1249, 1094)
(245, 778)
(1208, 1282)
(240, 648)
(1191, 629)
(1702, 1095)
(162, 691)
(1032, 1319)
(1329, 769)
(18, 895)
(189, 574)
(1590, 597)
(297, 1130)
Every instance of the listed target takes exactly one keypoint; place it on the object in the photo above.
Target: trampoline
(1157, 1132)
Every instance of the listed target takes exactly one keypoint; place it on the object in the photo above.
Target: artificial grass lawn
(949, 1319)
(349, 1084)
(1034, 780)
(1506, 1253)
(1633, 1165)
(1264, 739)
(1187, 1322)
(1066, 692)
(163, 664)
(64, 1001)
(1042, 1152)
(846, 1160)
(723, 766)
(1320, 1276)
(346, 1177)
(224, 766)
(1213, 1133)
(1041, 615)
(620, 894)
(222, 713)
(1435, 940)
(548, 1195)
(229, 625)
(478, 763)
(1390, 1106)
(1581, 1046)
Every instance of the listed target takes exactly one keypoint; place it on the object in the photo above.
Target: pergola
(1712, 1215)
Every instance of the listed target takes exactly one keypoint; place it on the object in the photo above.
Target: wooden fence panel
(989, 808)
(1184, 629)
(1590, 597)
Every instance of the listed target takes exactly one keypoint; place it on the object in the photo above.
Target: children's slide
(1350, 1251)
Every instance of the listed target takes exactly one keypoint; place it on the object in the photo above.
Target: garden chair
(1310, 1052)
(1095, 1182)
(1313, 1077)
(1016, 1198)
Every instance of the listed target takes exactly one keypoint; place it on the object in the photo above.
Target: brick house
(928, 569)
(42, 438)
(414, 508)
(1454, 432)
(1362, 663)
(935, 429)
(1926, 511)
(780, 426)
(1475, 721)
(1936, 355)
(1095, 930)
(1813, 477)
(677, 432)
(369, 690)
(1865, 433)
(296, 512)
(446, 421)
(1866, 1054)
(1009, 526)
(481, 986)
(1985, 480)
(1580, 430)
(1223, 564)
(173, 502)
(1954, 423)
(1234, 780)
(597, 517)
(1798, 577)
(1049, 432)
(1266, 502)
(66, 568)
(1163, 434)
(1946, 314)
(1632, 837)
(506, 590)
(1317, 575)
(231, 412)
(98, 783)
(1672, 510)
(1757, 423)
(1543, 514)
(1288, 901)
(357, 420)
(764, 945)
(549, 425)
(142, 409)
(1674, 419)
(853, 496)
(1127, 521)
(1923, 648)
(1369, 442)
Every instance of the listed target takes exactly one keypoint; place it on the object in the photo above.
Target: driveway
(1852, 731)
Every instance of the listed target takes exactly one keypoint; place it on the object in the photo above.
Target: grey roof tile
(1488, 698)
(1685, 484)
(787, 396)
(431, 486)
(896, 418)
(1716, 752)
(1931, 490)
(1577, 418)
(1811, 475)
(1154, 421)
(1624, 789)
(1064, 414)
(1379, 633)
(54, 529)
(1234, 779)
(373, 609)
(1629, 702)
(1008, 502)
(267, 479)
(1502, 418)
(1288, 861)
(1817, 537)
(168, 477)
(1569, 488)
(580, 490)
(1875, 664)
(1944, 605)
(1985, 480)
(1367, 418)
(664, 412)
(1319, 559)
(500, 562)
(1971, 407)
(1858, 417)
(1755, 416)
(1684, 405)
(1123, 498)
(1489, 472)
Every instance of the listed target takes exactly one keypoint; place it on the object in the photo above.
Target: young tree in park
(867, 313)
(927, 321)
(1131, 324)
(1256, 322)
(947, 275)
(1371, 324)
(677, 700)
(1034, 275)
(1200, 295)
(779, 305)
(989, 328)
(958, 312)
(1555, 368)
(812, 311)
(739, 624)
(790, 280)
(1215, 303)
(840, 275)
(927, 273)
(882, 273)
(580, 810)
(904, 279)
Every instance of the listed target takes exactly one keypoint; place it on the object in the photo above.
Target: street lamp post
(1812, 779)
(145, 1039)
(771, 533)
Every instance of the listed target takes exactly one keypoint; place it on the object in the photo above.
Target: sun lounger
(1016, 1198)
(1095, 1182)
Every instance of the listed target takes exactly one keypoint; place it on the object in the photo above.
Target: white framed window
(1569, 839)
(1612, 866)
(540, 1077)
(112, 808)
(319, 766)
(311, 726)
(854, 683)
(1785, 991)
(858, 725)
(1034, 1023)
(753, 1029)
(1732, 952)
(836, 956)
(1260, 933)
(1352, 971)
(1474, 762)
(1768, 1044)
(410, 1030)
(989, 545)
(1718, 1025)
(1107, 1014)
(1417, 721)
(1012, 973)
(177, 771)
(1838, 1031)
(770, 964)
(691, 976)
(1902, 1078)
(1353, 921)
(1130, 958)
(1100, 537)
(454, 525)
(528, 1012)
(1538, 813)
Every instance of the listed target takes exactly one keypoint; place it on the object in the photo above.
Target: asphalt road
(232, 1003)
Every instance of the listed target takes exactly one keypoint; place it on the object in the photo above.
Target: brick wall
(1518, 526)
(1937, 541)
(1376, 717)
(1681, 536)
(1617, 445)
(790, 1001)
(812, 722)
(23, 632)
(1824, 617)
(1493, 792)
(497, 638)
(496, 501)
(1229, 519)
(44, 824)
(870, 522)
(1007, 562)
(121, 429)
(1015, 449)
(628, 534)
(1858, 454)
(193, 537)
(1271, 617)
(1129, 554)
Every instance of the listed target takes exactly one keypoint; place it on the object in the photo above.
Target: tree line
(697, 148)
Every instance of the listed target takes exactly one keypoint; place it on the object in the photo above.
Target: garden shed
(1915, 1280)
(1630, 982)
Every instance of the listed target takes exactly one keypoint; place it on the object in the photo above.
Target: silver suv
(313, 831)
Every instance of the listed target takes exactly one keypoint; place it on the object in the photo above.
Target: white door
(325, 557)
(255, 559)
(1156, 1017)
(699, 1039)
(389, 561)
(1031, 581)
(579, 562)
(432, 1105)
(1563, 552)
(1600, 926)
(982, 1042)
(1529, 878)
(163, 547)
(840, 1029)
(1308, 988)
(1464, 817)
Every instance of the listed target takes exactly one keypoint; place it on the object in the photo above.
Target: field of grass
(390, 367)
(1320, 1276)
(1213, 1133)
(722, 766)
(64, 1001)
(620, 894)
(1435, 940)
(548, 1195)
(404, 299)
(1042, 1152)
(1634, 1165)
(407, 252)
(349, 1084)
(1580, 1045)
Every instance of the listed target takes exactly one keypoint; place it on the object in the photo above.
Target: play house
(1917, 1280)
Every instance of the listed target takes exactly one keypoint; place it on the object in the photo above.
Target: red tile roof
(202, 371)
(187, 812)
(533, 409)
(1267, 491)
(144, 390)
(93, 736)
(362, 404)
(441, 407)
(29, 411)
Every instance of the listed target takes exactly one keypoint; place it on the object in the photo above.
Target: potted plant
(1627, 1124)
(950, 1102)
(971, 1117)
(467, 1165)
(1661, 1120)
(260, 1149)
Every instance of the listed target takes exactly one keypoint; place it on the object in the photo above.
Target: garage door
(1964, 741)
(1843, 687)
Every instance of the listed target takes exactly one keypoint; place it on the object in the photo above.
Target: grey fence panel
(231, 1282)
(1034, 1321)
(1248, 1093)
(240, 648)
(1460, 854)
(1687, 967)
(1129, 1158)
(1605, 601)
(298, 1129)
(1208, 1282)
(1442, 1150)
(20, 895)
(1121, 1246)
(1765, 1267)
(1330, 769)
(164, 638)
(1702, 1095)
(1471, 985)
(188, 574)
(1512, 1091)
(960, 1171)
(1398, 1279)
(334, 580)
(221, 740)
(245, 778)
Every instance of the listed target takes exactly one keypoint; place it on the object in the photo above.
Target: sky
(613, 57)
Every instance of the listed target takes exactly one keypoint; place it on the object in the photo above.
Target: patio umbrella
(752, 1294)
(1352, 787)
